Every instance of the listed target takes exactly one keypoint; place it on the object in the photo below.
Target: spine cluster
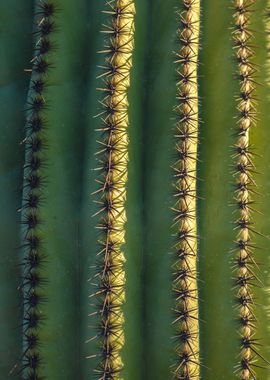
(35, 161)
(245, 266)
(111, 193)
(185, 265)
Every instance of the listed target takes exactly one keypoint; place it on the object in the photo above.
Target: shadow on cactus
(135, 185)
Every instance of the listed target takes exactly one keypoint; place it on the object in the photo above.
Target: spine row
(34, 181)
(185, 290)
(111, 194)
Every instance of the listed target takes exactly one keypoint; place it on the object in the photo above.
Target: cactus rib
(35, 160)
(185, 267)
(244, 167)
(113, 157)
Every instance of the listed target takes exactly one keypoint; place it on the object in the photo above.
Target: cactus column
(176, 288)
(113, 157)
(245, 263)
(55, 86)
(185, 172)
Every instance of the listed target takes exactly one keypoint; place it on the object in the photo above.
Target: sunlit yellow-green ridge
(244, 264)
(185, 267)
(112, 162)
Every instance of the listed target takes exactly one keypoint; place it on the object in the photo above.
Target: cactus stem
(35, 160)
(186, 323)
(112, 164)
(245, 265)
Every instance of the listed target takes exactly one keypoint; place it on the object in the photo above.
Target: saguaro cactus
(135, 188)
(112, 187)
(245, 260)
(185, 268)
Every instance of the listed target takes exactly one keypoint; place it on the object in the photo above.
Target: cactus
(134, 226)
(112, 187)
(185, 268)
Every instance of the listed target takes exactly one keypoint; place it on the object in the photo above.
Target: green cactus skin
(158, 148)
(215, 217)
(245, 267)
(218, 312)
(185, 275)
(132, 351)
(112, 159)
(67, 350)
(88, 234)
(34, 258)
(15, 52)
(259, 137)
(61, 193)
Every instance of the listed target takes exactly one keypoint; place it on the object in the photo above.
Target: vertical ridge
(113, 159)
(34, 181)
(186, 322)
(245, 261)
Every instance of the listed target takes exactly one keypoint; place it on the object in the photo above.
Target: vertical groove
(245, 266)
(113, 158)
(35, 160)
(144, 182)
(185, 290)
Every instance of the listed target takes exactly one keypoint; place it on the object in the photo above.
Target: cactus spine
(244, 261)
(113, 158)
(218, 321)
(185, 266)
(33, 195)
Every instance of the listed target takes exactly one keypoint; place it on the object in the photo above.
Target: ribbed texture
(245, 266)
(185, 290)
(34, 182)
(113, 158)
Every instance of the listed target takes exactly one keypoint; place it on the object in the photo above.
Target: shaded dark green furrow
(88, 235)
(133, 350)
(33, 182)
(218, 328)
(157, 187)
(15, 53)
(59, 334)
